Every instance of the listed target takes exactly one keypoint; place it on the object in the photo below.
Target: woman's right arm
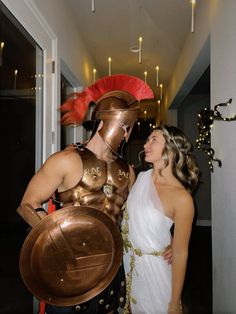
(183, 218)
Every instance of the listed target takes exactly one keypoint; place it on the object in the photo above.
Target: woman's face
(154, 147)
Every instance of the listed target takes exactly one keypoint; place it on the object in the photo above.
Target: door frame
(28, 15)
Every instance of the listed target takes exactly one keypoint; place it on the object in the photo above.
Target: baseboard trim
(203, 223)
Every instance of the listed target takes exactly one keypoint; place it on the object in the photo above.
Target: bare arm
(60, 171)
(183, 218)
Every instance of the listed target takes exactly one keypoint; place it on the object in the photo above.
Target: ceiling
(115, 27)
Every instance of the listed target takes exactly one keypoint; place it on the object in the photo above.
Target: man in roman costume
(72, 258)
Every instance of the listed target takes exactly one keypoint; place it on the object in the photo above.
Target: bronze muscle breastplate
(104, 185)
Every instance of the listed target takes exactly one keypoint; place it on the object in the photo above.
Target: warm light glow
(14, 84)
(93, 5)
(161, 87)
(157, 78)
(139, 126)
(145, 114)
(109, 66)
(145, 76)
(94, 75)
(140, 50)
(193, 3)
(2, 44)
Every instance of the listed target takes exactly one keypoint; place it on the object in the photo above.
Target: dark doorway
(21, 83)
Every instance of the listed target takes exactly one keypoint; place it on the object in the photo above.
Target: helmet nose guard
(115, 109)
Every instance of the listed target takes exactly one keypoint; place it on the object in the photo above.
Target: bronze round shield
(71, 255)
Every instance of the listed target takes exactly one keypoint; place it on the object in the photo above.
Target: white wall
(71, 48)
(223, 87)
(193, 60)
(216, 29)
(73, 59)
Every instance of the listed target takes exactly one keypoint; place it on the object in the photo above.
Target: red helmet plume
(76, 106)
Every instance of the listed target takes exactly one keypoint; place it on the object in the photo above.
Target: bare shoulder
(68, 153)
(183, 195)
(63, 159)
(184, 204)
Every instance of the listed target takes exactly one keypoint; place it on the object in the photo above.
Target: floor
(197, 294)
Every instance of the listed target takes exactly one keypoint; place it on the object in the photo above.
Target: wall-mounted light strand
(206, 118)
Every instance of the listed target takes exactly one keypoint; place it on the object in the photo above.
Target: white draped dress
(149, 231)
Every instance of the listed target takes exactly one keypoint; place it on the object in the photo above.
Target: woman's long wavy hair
(184, 165)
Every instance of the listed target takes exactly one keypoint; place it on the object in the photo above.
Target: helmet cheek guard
(112, 131)
(116, 109)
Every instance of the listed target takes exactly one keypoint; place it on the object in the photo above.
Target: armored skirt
(107, 301)
(149, 234)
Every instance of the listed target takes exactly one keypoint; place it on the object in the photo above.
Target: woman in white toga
(159, 198)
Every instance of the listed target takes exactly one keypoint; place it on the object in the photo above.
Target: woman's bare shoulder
(183, 202)
(181, 194)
